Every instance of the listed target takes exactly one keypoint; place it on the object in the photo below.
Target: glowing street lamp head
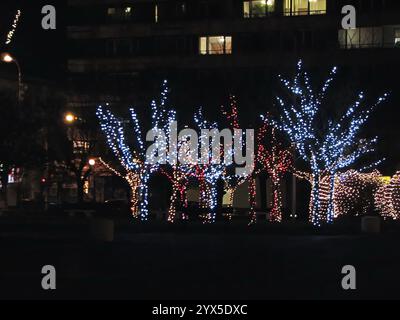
(92, 162)
(69, 118)
(6, 57)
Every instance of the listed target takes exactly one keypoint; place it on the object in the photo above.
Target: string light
(232, 180)
(136, 168)
(326, 154)
(355, 192)
(14, 26)
(276, 161)
(271, 157)
(179, 180)
(208, 173)
(387, 198)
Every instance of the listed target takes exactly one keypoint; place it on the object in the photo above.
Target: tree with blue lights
(136, 169)
(208, 173)
(326, 151)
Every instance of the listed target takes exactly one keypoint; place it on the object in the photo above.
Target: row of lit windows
(251, 9)
(370, 37)
(304, 7)
(262, 8)
(366, 37)
(386, 36)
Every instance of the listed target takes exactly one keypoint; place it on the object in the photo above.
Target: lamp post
(70, 118)
(92, 163)
(8, 58)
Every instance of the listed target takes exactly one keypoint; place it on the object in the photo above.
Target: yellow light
(386, 180)
(92, 162)
(69, 118)
(6, 57)
(86, 187)
(128, 9)
(267, 2)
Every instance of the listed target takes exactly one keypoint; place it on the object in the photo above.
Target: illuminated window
(359, 38)
(258, 8)
(317, 6)
(156, 13)
(216, 45)
(14, 176)
(80, 146)
(111, 11)
(397, 38)
(120, 13)
(304, 7)
(387, 36)
(86, 188)
(128, 9)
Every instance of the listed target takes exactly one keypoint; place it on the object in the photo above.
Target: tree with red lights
(232, 180)
(276, 160)
(271, 157)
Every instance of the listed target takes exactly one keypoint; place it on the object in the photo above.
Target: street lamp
(8, 58)
(92, 162)
(69, 118)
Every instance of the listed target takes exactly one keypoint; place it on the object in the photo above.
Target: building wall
(119, 57)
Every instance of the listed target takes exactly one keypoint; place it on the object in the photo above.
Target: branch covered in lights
(132, 158)
(336, 148)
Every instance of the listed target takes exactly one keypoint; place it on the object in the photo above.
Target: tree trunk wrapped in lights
(355, 193)
(208, 173)
(392, 196)
(232, 180)
(271, 157)
(327, 147)
(387, 198)
(136, 169)
(276, 161)
(179, 180)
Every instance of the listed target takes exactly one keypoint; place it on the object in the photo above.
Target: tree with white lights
(136, 169)
(208, 173)
(326, 147)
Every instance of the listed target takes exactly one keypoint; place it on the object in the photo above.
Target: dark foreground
(187, 262)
